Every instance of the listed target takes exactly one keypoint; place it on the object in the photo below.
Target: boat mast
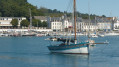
(30, 19)
(89, 20)
(75, 20)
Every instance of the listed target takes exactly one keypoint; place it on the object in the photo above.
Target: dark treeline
(20, 8)
(17, 8)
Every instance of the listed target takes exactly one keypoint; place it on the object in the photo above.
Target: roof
(41, 17)
(56, 19)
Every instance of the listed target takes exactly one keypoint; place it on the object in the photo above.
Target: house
(116, 24)
(56, 23)
(41, 18)
(5, 22)
(105, 23)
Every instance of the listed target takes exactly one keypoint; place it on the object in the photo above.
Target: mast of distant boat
(89, 20)
(30, 19)
(75, 40)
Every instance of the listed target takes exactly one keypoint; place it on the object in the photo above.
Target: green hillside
(17, 8)
(20, 8)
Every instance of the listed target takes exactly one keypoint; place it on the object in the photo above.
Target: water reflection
(69, 60)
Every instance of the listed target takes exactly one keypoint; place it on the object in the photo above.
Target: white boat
(4, 35)
(27, 34)
(93, 35)
(101, 35)
(111, 34)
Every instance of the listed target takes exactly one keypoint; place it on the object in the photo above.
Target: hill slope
(17, 8)
(20, 8)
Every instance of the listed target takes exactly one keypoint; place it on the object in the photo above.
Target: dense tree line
(38, 23)
(26, 23)
(17, 8)
(20, 8)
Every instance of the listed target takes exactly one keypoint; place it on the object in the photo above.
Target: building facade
(56, 23)
(5, 22)
(41, 18)
(116, 25)
(83, 25)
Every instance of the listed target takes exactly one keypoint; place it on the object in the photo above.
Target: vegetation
(14, 22)
(24, 23)
(20, 8)
(44, 24)
(17, 8)
(38, 23)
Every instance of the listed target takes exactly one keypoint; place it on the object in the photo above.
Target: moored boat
(80, 48)
(71, 46)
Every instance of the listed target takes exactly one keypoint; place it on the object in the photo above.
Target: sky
(98, 7)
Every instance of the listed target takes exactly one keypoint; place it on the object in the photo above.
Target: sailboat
(29, 32)
(71, 46)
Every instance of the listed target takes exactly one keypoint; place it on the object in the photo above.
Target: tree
(14, 22)
(44, 24)
(36, 23)
(39, 24)
(0, 14)
(103, 16)
(24, 23)
(18, 8)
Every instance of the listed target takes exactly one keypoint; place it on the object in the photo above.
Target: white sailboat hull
(82, 50)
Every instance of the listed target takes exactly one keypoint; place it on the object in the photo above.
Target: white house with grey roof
(116, 25)
(5, 22)
(56, 23)
(41, 18)
(105, 23)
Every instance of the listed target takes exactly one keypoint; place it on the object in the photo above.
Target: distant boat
(71, 46)
(112, 34)
(93, 35)
(28, 34)
(101, 35)
(4, 35)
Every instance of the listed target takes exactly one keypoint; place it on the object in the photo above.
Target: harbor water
(33, 52)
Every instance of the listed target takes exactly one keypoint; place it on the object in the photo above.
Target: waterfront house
(116, 25)
(5, 22)
(41, 18)
(59, 23)
(105, 23)
(56, 23)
